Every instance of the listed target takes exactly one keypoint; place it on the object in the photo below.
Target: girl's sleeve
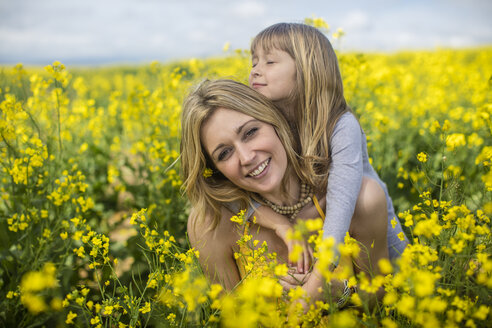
(345, 177)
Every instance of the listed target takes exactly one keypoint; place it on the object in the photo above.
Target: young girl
(296, 67)
(245, 147)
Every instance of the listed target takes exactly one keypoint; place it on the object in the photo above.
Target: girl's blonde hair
(318, 99)
(208, 193)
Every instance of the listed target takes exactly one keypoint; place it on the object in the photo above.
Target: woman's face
(246, 151)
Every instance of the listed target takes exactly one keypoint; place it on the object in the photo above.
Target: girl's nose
(255, 71)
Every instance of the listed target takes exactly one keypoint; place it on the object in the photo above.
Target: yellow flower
(339, 33)
(390, 298)
(317, 22)
(295, 253)
(152, 283)
(455, 140)
(35, 281)
(482, 312)
(56, 304)
(388, 323)
(108, 309)
(70, 317)
(207, 173)
(11, 294)
(350, 247)
(355, 299)
(171, 318)
(79, 300)
(215, 290)
(237, 219)
(34, 303)
(145, 308)
(314, 225)
(281, 269)
(80, 251)
(406, 306)
(385, 266)
(226, 47)
(422, 157)
(424, 283)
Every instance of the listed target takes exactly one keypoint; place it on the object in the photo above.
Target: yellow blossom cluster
(83, 150)
(33, 288)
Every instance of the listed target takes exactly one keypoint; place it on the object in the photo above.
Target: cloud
(78, 31)
(249, 9)
(356, 20)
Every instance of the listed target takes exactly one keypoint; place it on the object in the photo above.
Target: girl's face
(246, 151)
(273, 74)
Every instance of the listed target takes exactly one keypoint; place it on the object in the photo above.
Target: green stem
(59, 119)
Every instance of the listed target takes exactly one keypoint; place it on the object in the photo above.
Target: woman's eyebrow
(239, 128)
(216, 148)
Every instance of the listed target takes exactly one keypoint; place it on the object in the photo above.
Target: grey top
(350, 162)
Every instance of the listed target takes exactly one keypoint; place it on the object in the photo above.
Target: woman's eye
(251, 132)
(223, 154)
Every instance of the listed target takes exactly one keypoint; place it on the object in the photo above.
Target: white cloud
(356, 20)
(458, 41)
(73, 31)
(249, 9)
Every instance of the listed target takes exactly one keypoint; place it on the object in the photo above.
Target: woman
(237, 133)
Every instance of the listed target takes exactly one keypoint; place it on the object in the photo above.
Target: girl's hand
(305, 258)
(267, 218)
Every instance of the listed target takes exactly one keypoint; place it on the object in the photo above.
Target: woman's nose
(246, 155)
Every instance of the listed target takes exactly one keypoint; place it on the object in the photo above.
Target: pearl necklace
(305, 197)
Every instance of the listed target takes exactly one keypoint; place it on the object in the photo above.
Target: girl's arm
(345, 177)
(216, 255)
(267, 218)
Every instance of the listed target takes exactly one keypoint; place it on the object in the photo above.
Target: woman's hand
(293, 279)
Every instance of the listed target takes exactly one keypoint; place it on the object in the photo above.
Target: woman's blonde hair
(208, 194)
(318, 99)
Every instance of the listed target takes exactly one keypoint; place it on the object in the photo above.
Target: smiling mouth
(260, 168)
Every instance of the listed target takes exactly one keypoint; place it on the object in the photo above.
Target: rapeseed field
(92, 218)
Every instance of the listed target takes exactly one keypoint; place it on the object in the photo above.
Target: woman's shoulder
(201, 228)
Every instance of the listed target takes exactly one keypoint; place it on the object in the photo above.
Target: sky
(99, 32)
